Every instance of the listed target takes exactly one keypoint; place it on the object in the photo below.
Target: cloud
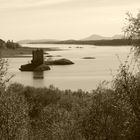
(63, 18)
(8, 6)
(17, 4)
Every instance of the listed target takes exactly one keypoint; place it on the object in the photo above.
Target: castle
(38, 57)
(38, 64)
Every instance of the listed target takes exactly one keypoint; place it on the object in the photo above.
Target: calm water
(85, 74)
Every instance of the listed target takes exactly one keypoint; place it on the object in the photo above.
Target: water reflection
(38, 75)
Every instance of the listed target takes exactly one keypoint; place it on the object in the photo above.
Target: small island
(88, 57)
(62, 61)
(38, 63)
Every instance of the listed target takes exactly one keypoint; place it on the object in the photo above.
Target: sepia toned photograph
(69, 69)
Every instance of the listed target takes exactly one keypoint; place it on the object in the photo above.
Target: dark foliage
(9, 44)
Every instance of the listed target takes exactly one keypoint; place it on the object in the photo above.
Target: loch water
(85, 74)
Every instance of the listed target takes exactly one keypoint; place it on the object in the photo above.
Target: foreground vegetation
(51, 114)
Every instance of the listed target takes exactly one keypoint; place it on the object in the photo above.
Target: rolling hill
(99, 37)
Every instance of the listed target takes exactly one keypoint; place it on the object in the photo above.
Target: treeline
(114, 42)
(9, 44)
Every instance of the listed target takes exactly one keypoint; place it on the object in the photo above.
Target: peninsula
(11, 49)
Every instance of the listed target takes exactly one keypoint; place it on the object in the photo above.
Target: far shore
(113, 42)
(22, 52)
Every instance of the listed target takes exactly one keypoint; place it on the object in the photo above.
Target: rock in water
(62, 61)
(89, 58)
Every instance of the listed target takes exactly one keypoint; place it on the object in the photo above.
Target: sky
(63, 19)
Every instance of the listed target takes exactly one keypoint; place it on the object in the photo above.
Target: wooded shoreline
(22, 52)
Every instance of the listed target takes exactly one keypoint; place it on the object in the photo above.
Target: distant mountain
(36, 41)
(90, 38)
(99, 37)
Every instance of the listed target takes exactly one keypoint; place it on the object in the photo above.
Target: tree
(127, 81)
(2, 43)
(13, 108)
(128, 76)
(132, 30)
(3, 72)
(13, 114)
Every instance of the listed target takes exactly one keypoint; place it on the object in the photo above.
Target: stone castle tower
(38, 57)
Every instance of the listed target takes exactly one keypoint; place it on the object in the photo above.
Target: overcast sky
(63, 19)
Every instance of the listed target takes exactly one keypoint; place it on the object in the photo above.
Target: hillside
(99, 37)
(38, 41)
(94, 37)
(114, 42)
